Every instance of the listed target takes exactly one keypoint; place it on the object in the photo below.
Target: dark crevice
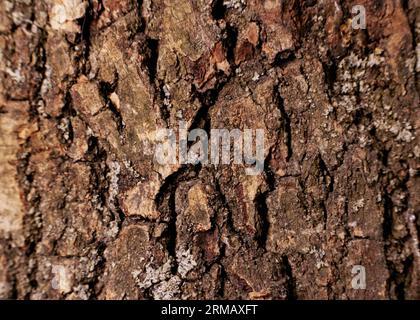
(261, 207)
(165, 203)
(291, 283)
(230, 40)
(283, 58)
(218, 10)
(85, 25)
(286, 125)
(152, 56)
(330, 76)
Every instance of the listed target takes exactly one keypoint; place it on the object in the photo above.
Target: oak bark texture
(86, 214)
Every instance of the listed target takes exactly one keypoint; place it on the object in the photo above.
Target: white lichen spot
(319, 255)
(63, 126)
(235, 4)
(18, 17)
(62, 280)
(374, 60)
(82, 292)
(405, 135)
(167, 93)
(337, 7)
(8, 5)
(328, 111)
(354, 61)
(359, 204)
(64, 14)
(46, 83)
(353, 224)
(113, 229)
(15, 74)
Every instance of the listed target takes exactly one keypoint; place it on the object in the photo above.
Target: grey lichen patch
(160, 281)
(168, 289)
(185, 262)
(114, 171)
(235, 4)
(153, 275)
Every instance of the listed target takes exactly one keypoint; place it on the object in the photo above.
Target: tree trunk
(86, 212)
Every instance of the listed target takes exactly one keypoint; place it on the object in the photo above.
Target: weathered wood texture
(85, 213)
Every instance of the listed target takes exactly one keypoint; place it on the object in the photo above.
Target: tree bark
(86, 212)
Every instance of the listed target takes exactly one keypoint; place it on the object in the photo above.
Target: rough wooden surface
(85, 213)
